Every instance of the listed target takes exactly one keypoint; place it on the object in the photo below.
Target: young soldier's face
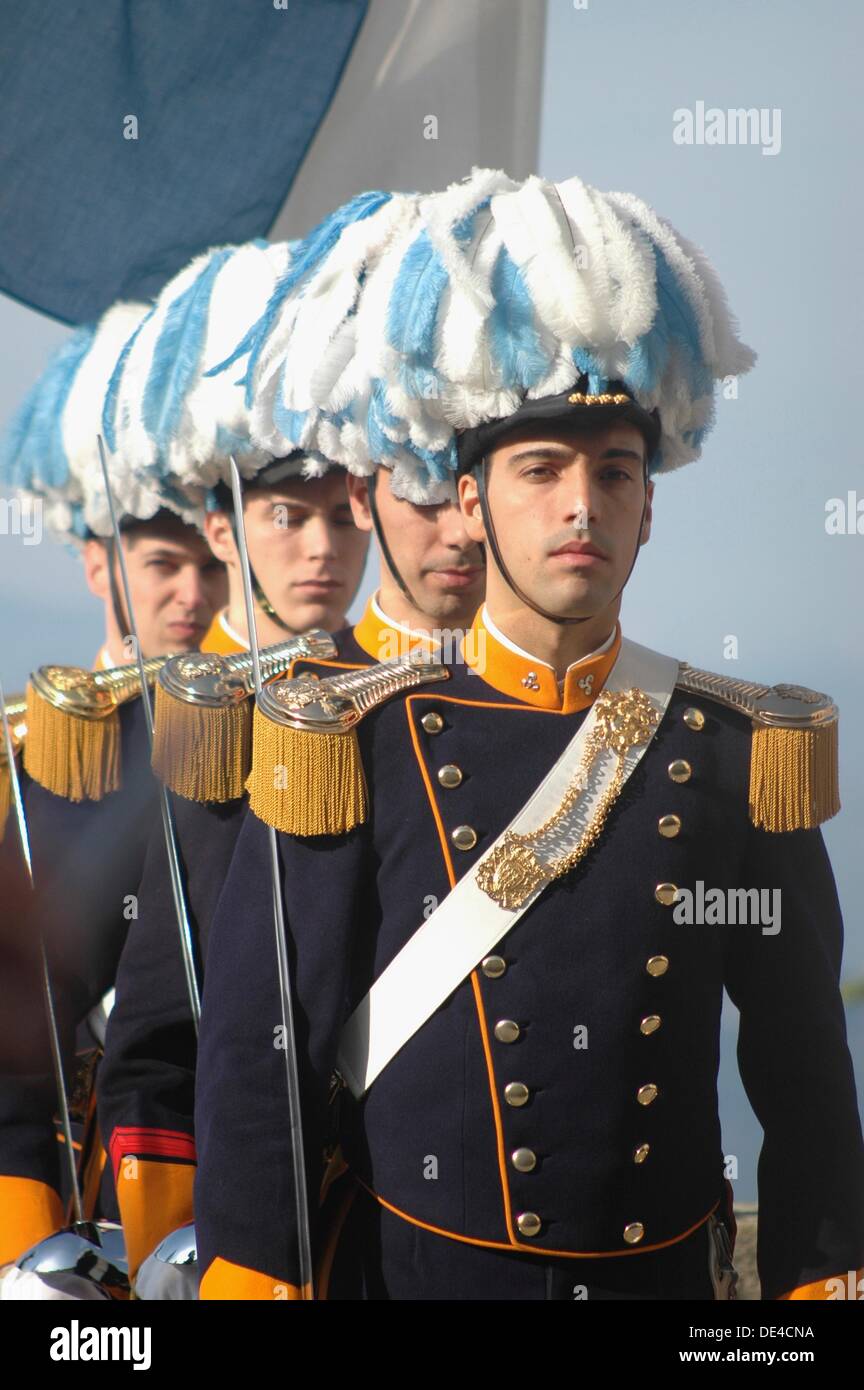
(439, 562)
(567, 509)
(304, 548)
(177, 585)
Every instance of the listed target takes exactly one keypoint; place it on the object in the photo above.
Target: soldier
(176, 581)
(147, 1075)
(146, 1096)
(304, 552)
(87, 789)
(492, 961)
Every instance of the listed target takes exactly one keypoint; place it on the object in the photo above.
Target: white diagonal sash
(468, 923)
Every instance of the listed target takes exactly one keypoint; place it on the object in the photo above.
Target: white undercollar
(505, 641)
(400, 627)
(376, 609)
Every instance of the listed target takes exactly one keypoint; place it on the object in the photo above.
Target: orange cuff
(225, 1280)
(154, 1199)
(836, 1287)
(29, 1211)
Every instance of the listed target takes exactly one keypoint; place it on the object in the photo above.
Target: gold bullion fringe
(306, 783)
(794, 781)
(78, 759)
(202, 754)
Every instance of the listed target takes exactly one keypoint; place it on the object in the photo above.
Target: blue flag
(136, 133)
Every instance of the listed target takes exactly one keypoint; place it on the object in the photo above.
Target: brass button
(646, 1093)
(640, 1154)
(528, 1223)
(524, 1160)
(450, 775)
(650, 1024)
(493, 967)
(680, 770)
(432, 722)
(669, 826)
(666, 893)
(634, 1232)
(516, 1093)
(694, 718)
(657, 965)
(506, 1030)
(464, 837)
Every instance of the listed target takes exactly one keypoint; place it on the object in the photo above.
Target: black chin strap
(372, 482)
(260, 597)
(120, 617)
(492, 538)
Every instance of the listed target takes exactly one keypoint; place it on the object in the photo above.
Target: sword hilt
(212, 681)
(334, 705)
(92, 694)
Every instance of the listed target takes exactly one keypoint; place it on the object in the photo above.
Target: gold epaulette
(794, 782)
(202, 740)
(307, 773)
(16, 710)
(73, 727)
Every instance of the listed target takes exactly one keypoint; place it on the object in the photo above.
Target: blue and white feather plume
(435, 313)
(49, 453)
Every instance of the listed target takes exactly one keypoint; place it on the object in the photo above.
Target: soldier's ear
(469, 504)
(645, 534)
(358, 497)
(220, 537)
(95, 556)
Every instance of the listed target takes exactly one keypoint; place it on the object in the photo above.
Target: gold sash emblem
(517, 867)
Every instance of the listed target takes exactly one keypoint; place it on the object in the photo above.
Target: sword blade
(292, 1076)
(169, 829)
(47, 989)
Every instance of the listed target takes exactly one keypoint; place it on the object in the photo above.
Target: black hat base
(574, 406)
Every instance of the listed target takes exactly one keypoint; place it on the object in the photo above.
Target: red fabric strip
(161, 1143)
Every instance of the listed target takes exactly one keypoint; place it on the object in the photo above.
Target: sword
(47, 991)
(168, 826)
(292, 1077)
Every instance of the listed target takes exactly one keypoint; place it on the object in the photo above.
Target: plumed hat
(49, 453)
(177, 406)
(408, 319)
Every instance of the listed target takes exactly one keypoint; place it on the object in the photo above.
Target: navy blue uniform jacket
(578, 958)
(87, 859)
(147, 1076)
